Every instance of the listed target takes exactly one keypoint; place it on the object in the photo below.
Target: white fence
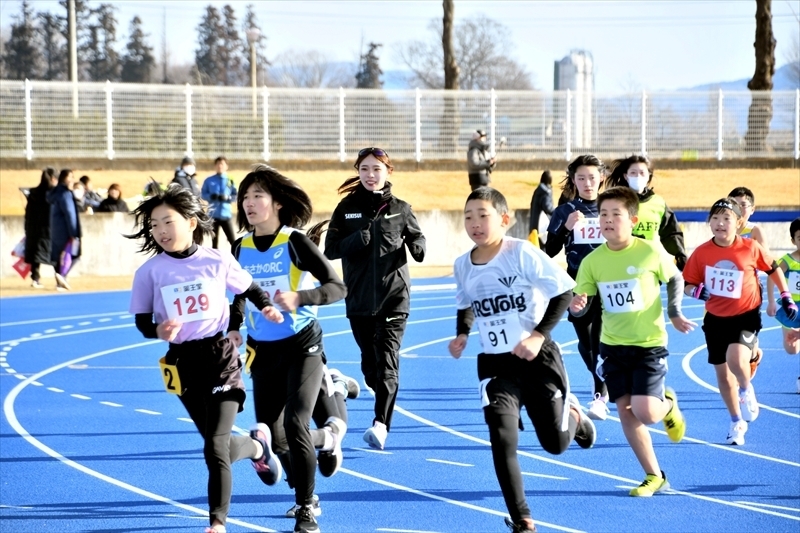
(46, 120)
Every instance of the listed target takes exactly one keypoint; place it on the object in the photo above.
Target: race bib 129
(194, 300)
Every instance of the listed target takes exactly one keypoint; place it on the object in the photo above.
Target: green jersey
(627, 282)
(651, 213)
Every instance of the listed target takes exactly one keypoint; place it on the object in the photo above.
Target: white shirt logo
(278, 253)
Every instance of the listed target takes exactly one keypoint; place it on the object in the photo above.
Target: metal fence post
(644, 123)
(109, 122)
(719, 126)
(188, 93)
(567, 127)
(28, 122)
(492, 110)
(418, 123)
(342, 153)
(797, 124)
(265, 96)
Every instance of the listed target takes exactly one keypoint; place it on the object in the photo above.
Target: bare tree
(451, 70)
(309, 68)
(482, 52)
(760, 113)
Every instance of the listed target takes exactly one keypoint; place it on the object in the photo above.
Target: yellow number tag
(169, 373)
(248, 358)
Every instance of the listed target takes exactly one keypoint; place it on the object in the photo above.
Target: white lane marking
(447, 500)
(80, 396)
(14, 507)
(58, 319)
(67, 326)
(39, 336)
(686, 364)
(104, 320)
(4, 365)
(54, 389)
(11, 416)
(36, 383)
(6, 348)
(182, 419)
(112, 404)
(19, 376)
(84, 323)
(371, 450)
(534, 474)
(448, 462)
(147, 412)
(759, 504)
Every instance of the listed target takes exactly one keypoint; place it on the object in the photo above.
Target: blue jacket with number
(220, 192)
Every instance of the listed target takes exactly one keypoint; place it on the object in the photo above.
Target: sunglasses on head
(372, 150)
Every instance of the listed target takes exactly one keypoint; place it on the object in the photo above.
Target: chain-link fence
(41, 120)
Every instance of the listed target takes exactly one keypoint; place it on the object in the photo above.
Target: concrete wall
(107, 253)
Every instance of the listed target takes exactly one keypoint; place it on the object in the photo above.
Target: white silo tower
(576, 73)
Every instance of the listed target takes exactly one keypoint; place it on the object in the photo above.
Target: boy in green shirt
(624, 273)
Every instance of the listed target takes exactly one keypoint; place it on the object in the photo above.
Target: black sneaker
(330, 461)
(523, 525)
(315, 508)
(585, 433)
(304, 521)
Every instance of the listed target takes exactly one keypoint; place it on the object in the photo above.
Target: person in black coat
(370, 231)
(37, 226)
(185, 176)
(541, 203)
(114, 202)
(64, 224)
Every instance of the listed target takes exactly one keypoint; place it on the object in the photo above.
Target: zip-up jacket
(655, 218)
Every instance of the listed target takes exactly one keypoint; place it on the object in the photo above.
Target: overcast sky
(653, 44)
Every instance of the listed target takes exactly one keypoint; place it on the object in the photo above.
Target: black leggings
(227, 227)
(587, 328)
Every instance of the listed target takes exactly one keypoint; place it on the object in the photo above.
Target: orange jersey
(730, 275)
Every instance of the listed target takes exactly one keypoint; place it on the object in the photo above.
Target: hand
(529, 348)
(788, 305)
(168, 330)
(457, 345)
(682, 324)
(572, 219)
(235, 337)
(272, 314)
(578, 303)
(701, 293)
(287, 301)
(772, 308)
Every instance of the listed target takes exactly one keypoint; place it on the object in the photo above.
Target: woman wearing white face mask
(656, 219)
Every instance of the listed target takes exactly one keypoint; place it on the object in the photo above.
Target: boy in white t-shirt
(516, 294)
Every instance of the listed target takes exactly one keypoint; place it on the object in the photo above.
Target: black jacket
(110, 205)
(478, 159)
(37, 227)
(541, 202)
(369, 232)
(187, 181)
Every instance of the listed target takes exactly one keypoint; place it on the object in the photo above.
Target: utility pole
(73, 56)
(164, 45)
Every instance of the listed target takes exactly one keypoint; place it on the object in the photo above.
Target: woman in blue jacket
(65, 225)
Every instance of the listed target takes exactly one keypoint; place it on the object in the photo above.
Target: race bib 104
(723, 282)
(587, 231)
(190, 301)
(623, 296)
(501, 333)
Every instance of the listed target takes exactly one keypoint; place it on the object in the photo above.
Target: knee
(295, 427)
(217, 448)
(557, 444)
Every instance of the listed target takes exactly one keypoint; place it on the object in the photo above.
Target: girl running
(370, 231)
(286, 360)
(575, 227)
(655, 218)
(722, 272)
(183, 286)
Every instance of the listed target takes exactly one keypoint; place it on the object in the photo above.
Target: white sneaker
(585, 433)
(736, 433)
(376, 435)
(36, 284)
(330, 460)
(61, 282)
(598, 408)
(748, 404)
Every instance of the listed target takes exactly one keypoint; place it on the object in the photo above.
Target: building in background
(576, 73)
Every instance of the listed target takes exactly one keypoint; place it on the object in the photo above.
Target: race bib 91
(623, 296)
(190, 301)
(501, 333)
(723, 282)
(587, 231)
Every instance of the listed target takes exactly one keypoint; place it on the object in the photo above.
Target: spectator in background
(185, 176)
(114, 203)
(542, 203)
(37, 226)
(479, 164)
(65, 227)
(220, 192)
(91, 198)
(79, 193)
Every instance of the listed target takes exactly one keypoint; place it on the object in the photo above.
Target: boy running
(517, 295)
(624, 273)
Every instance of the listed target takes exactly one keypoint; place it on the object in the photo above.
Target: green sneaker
(651, 484)
(674, 422)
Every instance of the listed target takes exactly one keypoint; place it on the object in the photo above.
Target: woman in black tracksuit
(370, 231)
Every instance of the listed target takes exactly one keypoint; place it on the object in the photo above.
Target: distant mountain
(781, 82)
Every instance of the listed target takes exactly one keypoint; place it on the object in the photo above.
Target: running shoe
(329, 461)
(748, 404)
(315, 508)
(651, 484)
(36, 284)
(674, 422)
(376, 435)
(585, 433)
(523, 525)
(736, 433)
(755, 361)
(304, 521)
(598, 408)
(61, 283)
(268, 467)
(351, 386)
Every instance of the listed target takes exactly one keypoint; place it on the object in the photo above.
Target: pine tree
(138, 60)
(369, 71)
(22, 56)
(103, 59)
(54, 47)
(250, 22)
(209, 39)
(232, 57)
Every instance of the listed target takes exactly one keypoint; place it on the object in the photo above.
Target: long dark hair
(619, 167)
(351, 184)
(46, 182)
(62, 176)
(587, 160)
(181, 200)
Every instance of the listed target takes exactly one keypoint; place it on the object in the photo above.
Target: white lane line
(104, 320)
(447, 500)
(686, 364)
(58, 319)
(67, 326)
(111, 404)
(80, 396)
(147, 412)
(372, 450)
(6, 348)
(19, 376)
(36, 383)
(50, 330)
(4, 365)
(84, 323)
(39, 336)
(54, 389)
(759, 504)
(545, 476)
(11, 416)
(182, 419)
(453, 463)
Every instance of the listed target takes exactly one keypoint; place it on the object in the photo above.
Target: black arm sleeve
(464, 320)
(258, 297)
(553, 313)
(672, 238)
(585, 309)
(145, 324)
(308, 258)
